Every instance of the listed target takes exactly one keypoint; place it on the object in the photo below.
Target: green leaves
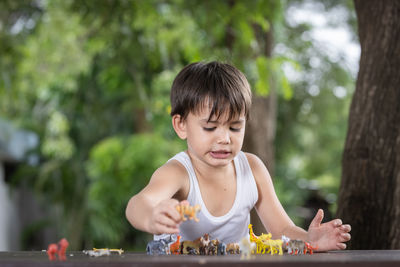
(57, 143)
(263, 70)
(270, 71)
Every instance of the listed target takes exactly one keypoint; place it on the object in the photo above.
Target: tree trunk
(369, 197)
(260, 129)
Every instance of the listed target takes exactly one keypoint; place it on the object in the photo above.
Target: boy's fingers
(174, 215)
(337, 222)
(345, 228)
(169, 209)
(341, 246)
(316, 222)
(185, 202)
(344, 237)
(163, 229)
(167, 221)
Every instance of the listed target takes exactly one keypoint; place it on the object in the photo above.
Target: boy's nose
(224, 137)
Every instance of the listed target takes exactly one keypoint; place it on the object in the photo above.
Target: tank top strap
(247, 178)
(184, 159)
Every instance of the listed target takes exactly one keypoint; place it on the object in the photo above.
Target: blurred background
(84, 105)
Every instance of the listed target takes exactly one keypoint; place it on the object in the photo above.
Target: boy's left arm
(326, 236)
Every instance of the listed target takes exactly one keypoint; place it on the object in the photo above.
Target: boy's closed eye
(235, 129)
(210, 129)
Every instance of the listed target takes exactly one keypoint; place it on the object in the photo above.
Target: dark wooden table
(369, 258)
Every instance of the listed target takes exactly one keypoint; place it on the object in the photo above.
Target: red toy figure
(59, 249)
(62, 248)
(52, 251)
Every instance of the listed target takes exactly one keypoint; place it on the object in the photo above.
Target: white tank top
(232, 226)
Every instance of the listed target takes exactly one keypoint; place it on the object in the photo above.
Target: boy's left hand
(328, 236)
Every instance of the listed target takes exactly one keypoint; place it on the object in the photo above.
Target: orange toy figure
(52, 251)
(62, 248)
(174, 248)
(189, 211)
(309, 248)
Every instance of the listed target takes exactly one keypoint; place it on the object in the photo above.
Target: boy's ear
(179, 125)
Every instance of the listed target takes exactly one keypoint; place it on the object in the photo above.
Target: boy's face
(215, 142)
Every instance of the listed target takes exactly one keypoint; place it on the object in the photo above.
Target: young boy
(210, 105)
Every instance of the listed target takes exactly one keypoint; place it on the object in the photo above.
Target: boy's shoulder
(253, 159)
(173, 175)
(256, 164)
(171, 168)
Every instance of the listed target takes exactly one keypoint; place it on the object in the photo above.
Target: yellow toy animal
(265, 244)
(275, 246)
(260, 245)
(188, 212)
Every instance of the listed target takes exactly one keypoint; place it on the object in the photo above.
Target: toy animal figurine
(309, 248)
(221, 248)
(170, 240)
(233, 248)
(98, 252)
(285, 240)
(247, 248)
(52, 251)
(60, 249)
(275, 246)
(157, 247)
(204, 242)
(285, 244)
(254, 238)
(174, 247)
(212, 247)
(190, 247)
(188, 212)
(296, 247)
(110, 250)
(258, 240)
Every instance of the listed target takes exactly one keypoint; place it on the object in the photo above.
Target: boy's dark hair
(220, 85)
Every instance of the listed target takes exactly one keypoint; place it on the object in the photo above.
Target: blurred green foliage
(118, 168)
(92, 80)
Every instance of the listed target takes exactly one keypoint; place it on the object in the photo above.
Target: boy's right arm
(153, 210)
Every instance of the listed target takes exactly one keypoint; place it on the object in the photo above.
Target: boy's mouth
(220, 154)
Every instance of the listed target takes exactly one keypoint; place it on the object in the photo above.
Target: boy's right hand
(165, 219)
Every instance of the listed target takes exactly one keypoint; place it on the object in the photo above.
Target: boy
(210, 105)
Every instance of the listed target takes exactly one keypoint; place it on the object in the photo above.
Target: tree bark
(261, 128)
(369, 196)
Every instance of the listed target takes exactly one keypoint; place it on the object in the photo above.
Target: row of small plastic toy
(264, 244)
(203, 245)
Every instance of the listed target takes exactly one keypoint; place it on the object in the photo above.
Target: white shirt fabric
(232, 226)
